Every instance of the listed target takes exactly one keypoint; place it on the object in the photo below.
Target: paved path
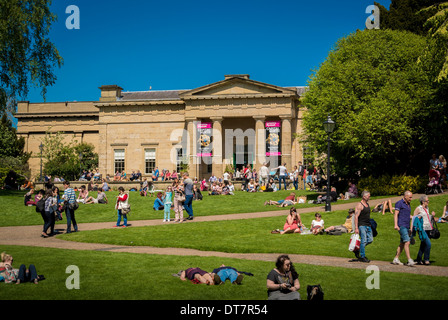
(29, 236)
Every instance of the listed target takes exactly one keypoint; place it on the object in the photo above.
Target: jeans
(425, 248)
(30, 276)
(225, 274)
(70, 215)
(280, 178)
(296, 183)
(124, 216)
(188, 204)
(365, 233)
(167, 211)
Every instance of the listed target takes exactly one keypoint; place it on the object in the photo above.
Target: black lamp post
(41, 148)
(80, 164)
(329, 127)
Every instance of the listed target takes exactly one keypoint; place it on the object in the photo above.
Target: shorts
(293, 226)
(404, 235)
(309, 179)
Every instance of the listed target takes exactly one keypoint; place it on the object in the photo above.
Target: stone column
(286, 141)
(260, 141)
(193, 165)
(217, 164)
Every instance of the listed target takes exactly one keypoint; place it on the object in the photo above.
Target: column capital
(285, 117)
(217, 118)
(259, 117)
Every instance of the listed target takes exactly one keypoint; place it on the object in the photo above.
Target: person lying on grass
(288, 201)
(196, 275)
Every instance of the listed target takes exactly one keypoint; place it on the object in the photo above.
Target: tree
(12, 157)
(63, 158)
(27, 56)
(379, 96)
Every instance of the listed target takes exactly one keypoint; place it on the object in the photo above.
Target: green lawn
(14, 213)
(254, 235)
(110, 275)
(122, 276)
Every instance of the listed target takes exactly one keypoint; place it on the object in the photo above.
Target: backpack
(40, 206)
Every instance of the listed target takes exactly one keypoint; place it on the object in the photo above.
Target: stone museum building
(227, 124)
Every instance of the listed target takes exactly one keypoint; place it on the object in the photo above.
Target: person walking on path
(362, 226)
(122, 200)
(422, 212)
(188, 189)
(70, 198)
(402, 223)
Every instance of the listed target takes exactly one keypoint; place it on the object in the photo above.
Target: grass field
(108, 275)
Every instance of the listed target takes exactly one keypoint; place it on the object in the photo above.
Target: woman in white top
(317, 225)
(422, 212)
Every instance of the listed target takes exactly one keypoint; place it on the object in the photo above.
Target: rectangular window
(119, 160)
(179, 160)
(150, 160)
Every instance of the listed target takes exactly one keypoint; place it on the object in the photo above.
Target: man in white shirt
(282, 176)
(264, 174)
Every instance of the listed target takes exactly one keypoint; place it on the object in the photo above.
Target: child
(167, 203)
(317, 225)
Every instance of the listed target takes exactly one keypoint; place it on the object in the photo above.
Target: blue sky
(172, 45)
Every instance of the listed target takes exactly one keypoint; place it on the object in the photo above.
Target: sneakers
(239, 279)
(410, 263)
(397, 261)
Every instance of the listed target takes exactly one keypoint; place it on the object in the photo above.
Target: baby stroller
(433, 187)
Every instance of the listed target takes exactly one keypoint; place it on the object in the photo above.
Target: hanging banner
(204, 135)
(273, 145)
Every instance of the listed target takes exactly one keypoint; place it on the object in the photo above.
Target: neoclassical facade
(232, 122)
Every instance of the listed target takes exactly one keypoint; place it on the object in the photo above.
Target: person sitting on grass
(317, 225)
(293, 222)
(347, 227)
(383, 206)
(158, 203)
(196, 275)
(27, 198)
(101, 198)
(83, 195)
(215, 189)
(288, 201)
(17, 276)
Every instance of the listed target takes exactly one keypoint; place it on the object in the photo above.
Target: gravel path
(29, 236)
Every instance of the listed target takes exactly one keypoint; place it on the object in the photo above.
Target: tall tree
(27, 56)
(379, 96)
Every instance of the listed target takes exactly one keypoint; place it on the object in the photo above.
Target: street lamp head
(329, 125)
(41, 146)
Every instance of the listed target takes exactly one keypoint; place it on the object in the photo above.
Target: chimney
(110, 93)
(242, 76)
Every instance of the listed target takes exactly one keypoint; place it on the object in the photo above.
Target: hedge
(392, 185)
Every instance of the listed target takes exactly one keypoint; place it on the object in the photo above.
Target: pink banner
(204, 154)
(273, 153)
(270, 124)
(204, 125)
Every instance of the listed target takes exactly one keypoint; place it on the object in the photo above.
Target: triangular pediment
(236, 86)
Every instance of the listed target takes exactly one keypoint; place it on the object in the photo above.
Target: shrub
(392, 185)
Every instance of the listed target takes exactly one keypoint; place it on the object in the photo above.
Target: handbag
(355, 242)
(434, 233)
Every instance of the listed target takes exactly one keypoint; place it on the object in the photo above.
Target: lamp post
(41, 148)
(328, 127)
(80, 164)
